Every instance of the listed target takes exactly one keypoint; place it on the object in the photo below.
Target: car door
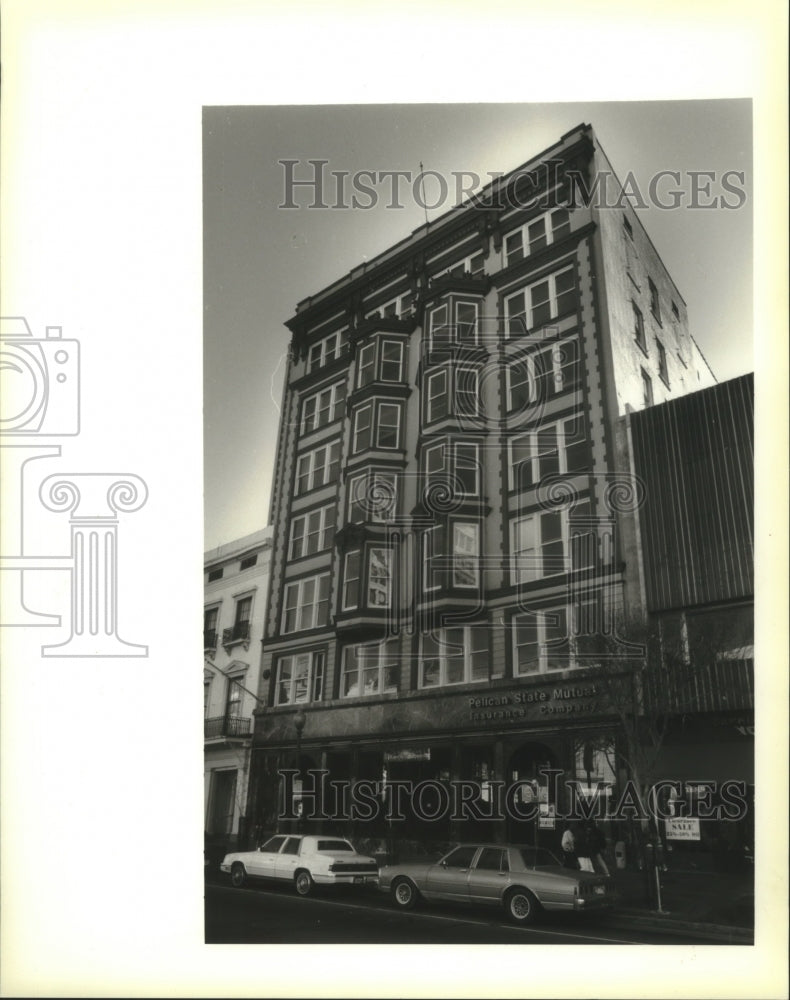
(288, 858)
(264, 861)
(489, 876)
(449, 878)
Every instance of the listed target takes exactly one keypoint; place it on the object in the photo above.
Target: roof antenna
(422, 192)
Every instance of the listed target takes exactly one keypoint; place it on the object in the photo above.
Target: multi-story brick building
(236, 588)
(447, 492)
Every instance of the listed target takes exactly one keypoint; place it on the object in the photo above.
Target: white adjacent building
(236, 589)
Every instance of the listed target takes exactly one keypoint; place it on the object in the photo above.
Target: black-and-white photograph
(430, 363)
(479, 576)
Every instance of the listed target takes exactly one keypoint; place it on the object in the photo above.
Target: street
(274, 914)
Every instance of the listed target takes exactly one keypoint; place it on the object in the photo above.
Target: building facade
(453, 508)
(236, 589)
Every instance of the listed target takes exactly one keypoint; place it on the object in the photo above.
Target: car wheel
(404, 894)
(238, 874)
(521, 906)
(303, 882)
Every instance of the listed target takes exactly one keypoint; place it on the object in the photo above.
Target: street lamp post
(299, 722)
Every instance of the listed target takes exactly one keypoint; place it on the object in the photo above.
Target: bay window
(454, 322)
(455, 464)
(377, 424)
(452, 391)
(376, 563)
(373, 496)
(380, 360)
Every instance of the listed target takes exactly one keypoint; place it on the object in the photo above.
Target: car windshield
(537, 857)
(334, 845)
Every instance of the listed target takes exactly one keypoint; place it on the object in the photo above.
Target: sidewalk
(706, 904)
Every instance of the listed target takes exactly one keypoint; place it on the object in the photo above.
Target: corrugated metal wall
(695, 455)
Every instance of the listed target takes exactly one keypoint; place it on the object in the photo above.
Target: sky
(260, 259)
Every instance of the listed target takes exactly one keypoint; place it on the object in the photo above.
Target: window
(233, 700)
(541, 302)
(462, 328)
(380, 360)
(388, 428)
(326, 350)
(540, 642)
(210, 617)
(215, 574)
(469, 267)
(399, 307)
(300, 678)
(537, 547)
(461, 857)
(323, 407)
(248, 562)
(629, 229)
(433, 557)
(543, 374)
(466, 555)
(647, 389)
(454, 656)
(639, 327)
(381, 432)
(366, 366)
(312, 532)
(292, 845)
(379, 578)
(206, 697)
(241, 623)
(391, 361)
(318, 468)
(369, 669)
(553, 448)
(454, 391)
(536, 235)
(437, 396)
(351, 580)
(378, 592)
(373, 497)
(675, 312)
(492, 859)
(306, 604)
(466, 468)
(662, 363)
(654, 305)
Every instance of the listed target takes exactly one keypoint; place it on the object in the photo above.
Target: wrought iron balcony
(209, 638)
(239, 632)
(225, 725)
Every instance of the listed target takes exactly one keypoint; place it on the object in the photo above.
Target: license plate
(599, 890)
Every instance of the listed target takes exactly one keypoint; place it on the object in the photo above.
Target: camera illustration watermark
(40, 400)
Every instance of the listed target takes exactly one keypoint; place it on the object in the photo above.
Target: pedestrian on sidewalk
(584, 849)
(568, 845)
(596, 845)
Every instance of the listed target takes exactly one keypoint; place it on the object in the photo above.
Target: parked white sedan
(306, 861)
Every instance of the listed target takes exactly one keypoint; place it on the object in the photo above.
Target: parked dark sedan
(522, 880)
